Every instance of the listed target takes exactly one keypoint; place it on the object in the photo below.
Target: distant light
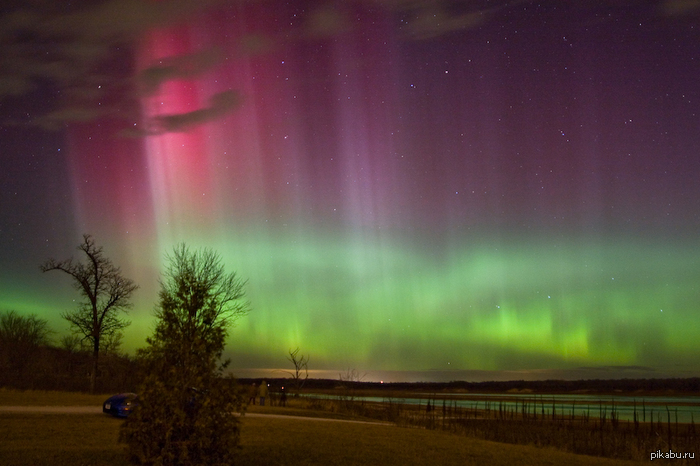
(381, 381)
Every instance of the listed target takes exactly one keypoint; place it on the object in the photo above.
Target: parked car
(120, 405)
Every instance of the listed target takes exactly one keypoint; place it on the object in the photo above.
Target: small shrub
(180, 426)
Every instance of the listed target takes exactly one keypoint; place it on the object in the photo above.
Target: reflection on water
(684, 409)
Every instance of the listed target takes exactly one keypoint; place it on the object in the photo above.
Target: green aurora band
(513, 305)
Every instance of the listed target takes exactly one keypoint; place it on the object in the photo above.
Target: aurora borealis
(409, 189)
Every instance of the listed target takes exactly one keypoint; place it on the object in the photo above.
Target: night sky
(415, 190)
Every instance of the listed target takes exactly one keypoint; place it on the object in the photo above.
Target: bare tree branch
(106, 296)
(301, 365)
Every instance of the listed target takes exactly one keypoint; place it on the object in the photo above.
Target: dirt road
(52, 409)
(98, 410)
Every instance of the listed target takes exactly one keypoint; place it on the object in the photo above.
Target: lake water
(682, 408)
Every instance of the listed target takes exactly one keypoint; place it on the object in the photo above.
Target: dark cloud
(325, 21)
(183, 66)
(430, 23)
(81, 50)
(69, 47)
(57, 119)
(681, 7)
(219, 104)
(115, 20)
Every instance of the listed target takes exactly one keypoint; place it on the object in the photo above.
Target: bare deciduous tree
(351, 376)
(72, 343)
(349, 381)
(106, 296)
(301, 368)
(20, 338)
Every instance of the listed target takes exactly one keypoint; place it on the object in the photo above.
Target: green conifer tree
(186, 407)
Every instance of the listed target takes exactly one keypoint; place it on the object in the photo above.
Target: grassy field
(301, 442)
(49, 398)
(91, 439)
(79, 439)
(60, 439)
(600, 434)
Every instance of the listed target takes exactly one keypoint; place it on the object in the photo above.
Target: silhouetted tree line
(594, 385)
(28, 360)
(540, 386)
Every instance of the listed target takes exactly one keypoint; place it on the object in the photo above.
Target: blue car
(120, 405)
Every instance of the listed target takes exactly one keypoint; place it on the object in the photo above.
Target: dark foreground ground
(91, 439)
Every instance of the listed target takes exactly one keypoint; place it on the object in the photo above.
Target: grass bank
(60, 440)
(11, 397)
(528, 424)
(63, 440)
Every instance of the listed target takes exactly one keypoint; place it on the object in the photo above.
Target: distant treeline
(49, 368)
(685, 385)
(29, 360)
